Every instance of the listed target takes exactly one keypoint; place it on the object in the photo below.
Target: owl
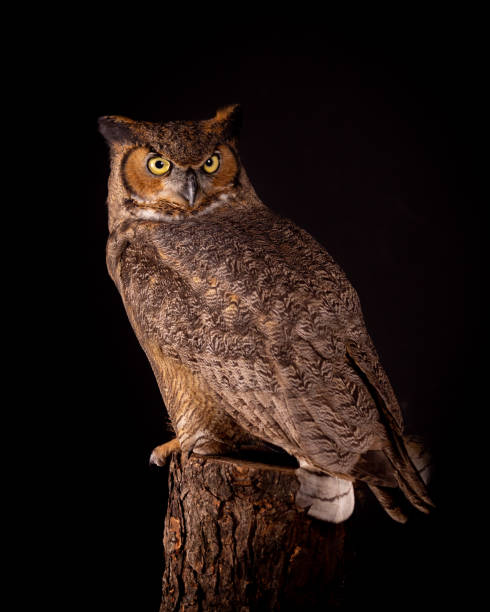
(254, 334)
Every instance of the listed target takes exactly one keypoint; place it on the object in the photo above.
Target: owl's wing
(193, 317)
(265, 316)
(328, 281)
(363, 375)
(275, 330)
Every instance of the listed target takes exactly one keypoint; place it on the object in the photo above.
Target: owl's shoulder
(241, 243)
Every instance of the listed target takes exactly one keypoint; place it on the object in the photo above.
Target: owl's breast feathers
(261, 311)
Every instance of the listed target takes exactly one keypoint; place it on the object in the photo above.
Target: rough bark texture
(235, 541)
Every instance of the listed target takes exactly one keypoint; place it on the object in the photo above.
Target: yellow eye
(158, 165)
(211, 164)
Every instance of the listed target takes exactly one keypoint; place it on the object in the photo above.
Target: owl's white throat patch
(223, 198)
(152, 214)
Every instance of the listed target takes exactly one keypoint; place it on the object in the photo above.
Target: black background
(362, 138)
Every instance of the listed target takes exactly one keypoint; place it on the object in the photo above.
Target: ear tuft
(226, 112)
(115, 128)
(230, 118)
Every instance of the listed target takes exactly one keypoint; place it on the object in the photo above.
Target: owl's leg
(198, 418)
(161, 454)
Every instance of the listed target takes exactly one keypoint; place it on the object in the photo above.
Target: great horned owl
(254, 333)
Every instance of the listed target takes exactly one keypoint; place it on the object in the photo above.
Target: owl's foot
(161, 454)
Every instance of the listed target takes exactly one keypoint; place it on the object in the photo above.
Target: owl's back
(258, 306)
(259, 310)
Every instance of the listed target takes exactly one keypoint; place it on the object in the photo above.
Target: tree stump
(235, 541)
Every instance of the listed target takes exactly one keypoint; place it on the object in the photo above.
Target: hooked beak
(190, 187)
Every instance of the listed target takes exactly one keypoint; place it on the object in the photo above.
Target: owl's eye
(211, 164)
(158, 165)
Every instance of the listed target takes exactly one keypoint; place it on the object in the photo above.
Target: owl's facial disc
(163, 185)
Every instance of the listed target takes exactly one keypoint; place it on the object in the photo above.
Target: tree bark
(235, 541)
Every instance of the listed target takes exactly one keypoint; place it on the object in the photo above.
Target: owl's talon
(161, 453)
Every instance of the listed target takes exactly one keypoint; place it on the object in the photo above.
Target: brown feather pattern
(253, 331)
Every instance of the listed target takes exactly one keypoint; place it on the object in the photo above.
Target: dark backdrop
(360, 141)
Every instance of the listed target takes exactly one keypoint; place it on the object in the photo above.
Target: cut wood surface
(234, 540)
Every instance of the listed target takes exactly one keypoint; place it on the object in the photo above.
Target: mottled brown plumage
(254, 333)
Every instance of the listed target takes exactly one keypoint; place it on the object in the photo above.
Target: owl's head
(169, 171)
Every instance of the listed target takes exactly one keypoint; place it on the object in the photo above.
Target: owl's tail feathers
(410, 474)
(396, 475)
(412, 467)
(327, 498)
(390, 501)
(420, 456)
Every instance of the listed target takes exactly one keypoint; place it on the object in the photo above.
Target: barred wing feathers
(263, 313)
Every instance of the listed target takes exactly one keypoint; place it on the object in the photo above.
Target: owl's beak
(189, 190)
